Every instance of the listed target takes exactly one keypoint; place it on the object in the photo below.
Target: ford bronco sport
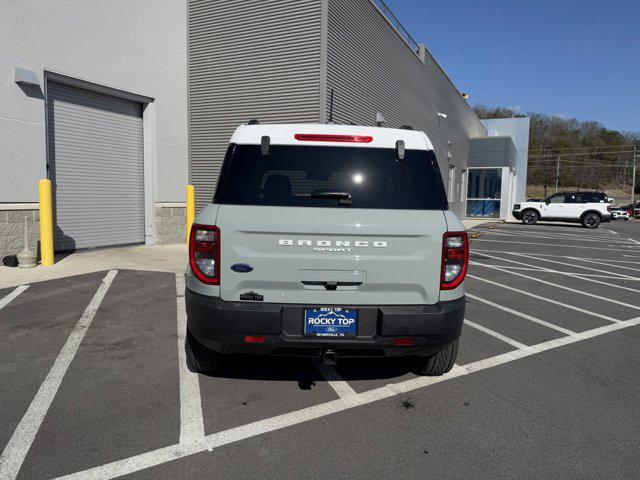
(587, 208)
(327, 241)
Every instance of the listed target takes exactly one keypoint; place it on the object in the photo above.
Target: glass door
(483, 192)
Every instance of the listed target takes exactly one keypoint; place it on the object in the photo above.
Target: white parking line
(573, 275)
(545, 299)
(525, 269)
(6, 300)
(622, 276)
(598, 262)
(175, 452)
(512, 242)
(634, 241)
(577, 232)
(555, 237)
(22, 438)
(593, 275)
(575, 258)
(563, 287)
(533, 319)
(191, 421)
(495, 334)
(333, 378)
(533, 256)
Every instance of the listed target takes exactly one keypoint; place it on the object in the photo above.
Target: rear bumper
(222, 326)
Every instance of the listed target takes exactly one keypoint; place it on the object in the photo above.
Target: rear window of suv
(292, 175)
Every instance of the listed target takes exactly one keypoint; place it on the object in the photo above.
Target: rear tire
(201, 359)
(591, 220)
(440, 363)
(530, 217)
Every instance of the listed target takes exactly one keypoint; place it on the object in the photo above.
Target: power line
(554, 156)
(586, 161)
(553, 151)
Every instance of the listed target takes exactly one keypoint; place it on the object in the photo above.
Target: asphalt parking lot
(93, 382)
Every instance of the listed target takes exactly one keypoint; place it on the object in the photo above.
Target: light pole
(633, 183)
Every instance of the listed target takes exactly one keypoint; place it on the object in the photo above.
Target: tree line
(590, 155)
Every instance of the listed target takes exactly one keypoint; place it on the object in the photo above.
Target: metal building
(497, 168)
(121, 104)
(93, 97)
(279, 61)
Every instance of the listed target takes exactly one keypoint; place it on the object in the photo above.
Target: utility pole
(633, 182)
(557, 173)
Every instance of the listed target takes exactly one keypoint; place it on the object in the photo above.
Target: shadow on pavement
(248, 367)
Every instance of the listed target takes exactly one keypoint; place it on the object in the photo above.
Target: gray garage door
(96, 168)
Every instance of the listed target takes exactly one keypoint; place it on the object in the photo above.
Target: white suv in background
(587, 208)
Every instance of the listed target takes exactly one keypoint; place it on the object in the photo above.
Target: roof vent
(253, 121)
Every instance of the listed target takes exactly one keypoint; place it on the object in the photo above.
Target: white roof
(283, 134)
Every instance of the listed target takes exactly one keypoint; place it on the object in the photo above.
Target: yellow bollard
(191, 208)
(46, 223)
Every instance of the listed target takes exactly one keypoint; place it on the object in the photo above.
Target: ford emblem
(241, 268)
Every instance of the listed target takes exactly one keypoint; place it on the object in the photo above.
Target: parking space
(93, 381)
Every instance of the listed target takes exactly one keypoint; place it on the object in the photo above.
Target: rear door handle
(331, 286)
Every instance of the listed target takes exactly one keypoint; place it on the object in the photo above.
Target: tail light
(204, 253)
(455, 259)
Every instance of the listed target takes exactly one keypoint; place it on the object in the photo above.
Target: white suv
(587, 208)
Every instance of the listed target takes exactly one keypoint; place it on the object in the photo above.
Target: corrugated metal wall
(96, 168)
(372, 69)
(247, 59)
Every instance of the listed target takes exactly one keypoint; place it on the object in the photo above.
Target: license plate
(330, 322)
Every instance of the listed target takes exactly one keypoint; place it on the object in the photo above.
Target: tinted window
(559, 198)
(293, 175)
(577, 198)
(597, 197)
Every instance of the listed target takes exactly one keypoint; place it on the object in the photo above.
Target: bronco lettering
(326, 245)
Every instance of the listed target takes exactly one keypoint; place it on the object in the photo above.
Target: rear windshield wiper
(344, 198)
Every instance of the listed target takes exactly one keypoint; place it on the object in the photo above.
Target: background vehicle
(588, 208)
(327, 241)
(619, 213)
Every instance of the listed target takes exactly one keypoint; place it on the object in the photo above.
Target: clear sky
(572, 58)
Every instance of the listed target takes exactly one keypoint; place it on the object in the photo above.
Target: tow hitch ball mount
(329, 357)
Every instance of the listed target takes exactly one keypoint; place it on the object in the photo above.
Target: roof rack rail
(406, 127)
(253, 121)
